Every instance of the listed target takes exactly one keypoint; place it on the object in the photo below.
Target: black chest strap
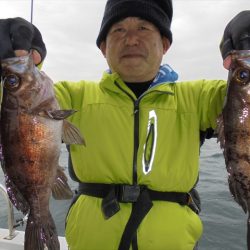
(139, 195)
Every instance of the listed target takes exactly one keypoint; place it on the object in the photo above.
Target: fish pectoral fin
(57, 114)
(60, 188)
(219, 131)
(71, 134)
(16, 197)
(236, 190)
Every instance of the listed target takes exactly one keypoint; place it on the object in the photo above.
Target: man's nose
(131, 38)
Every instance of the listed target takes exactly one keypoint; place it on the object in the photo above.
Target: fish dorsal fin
(60, 188)
(71, 134)
(58, 114)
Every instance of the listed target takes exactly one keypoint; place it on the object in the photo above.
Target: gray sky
(70, 28)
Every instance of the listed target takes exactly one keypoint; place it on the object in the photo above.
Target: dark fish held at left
(32, 129)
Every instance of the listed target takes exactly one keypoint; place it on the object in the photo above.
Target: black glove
(236, 34)
(19, 34)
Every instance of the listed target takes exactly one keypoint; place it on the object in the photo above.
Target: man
(142, 130)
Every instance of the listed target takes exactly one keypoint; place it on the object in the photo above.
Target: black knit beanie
(158, 12)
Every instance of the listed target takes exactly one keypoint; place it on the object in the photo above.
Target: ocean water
(223, 219)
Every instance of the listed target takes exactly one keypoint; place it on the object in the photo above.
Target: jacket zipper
(136, 131)
(136, 139)
(136, 126)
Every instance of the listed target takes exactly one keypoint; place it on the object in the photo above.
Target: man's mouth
(132, 55)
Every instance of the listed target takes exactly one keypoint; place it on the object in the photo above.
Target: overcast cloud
(70, 28)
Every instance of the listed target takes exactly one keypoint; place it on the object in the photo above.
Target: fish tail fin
(41, 235)
(60, 188)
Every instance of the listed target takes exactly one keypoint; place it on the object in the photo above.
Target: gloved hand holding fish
(18, 35)
(234, 124)
(32, 130)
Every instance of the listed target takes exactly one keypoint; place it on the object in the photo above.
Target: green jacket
(151, 141)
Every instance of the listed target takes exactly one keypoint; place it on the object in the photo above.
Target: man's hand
(19, 37)
(236, 36)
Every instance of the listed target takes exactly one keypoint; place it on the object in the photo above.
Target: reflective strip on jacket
(171, 116)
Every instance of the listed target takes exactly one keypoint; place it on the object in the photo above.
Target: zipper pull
(136, 106)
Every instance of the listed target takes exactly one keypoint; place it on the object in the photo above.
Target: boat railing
(10, 211)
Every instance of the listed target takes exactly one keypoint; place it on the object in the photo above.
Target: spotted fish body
(32, 127)
(235, 139)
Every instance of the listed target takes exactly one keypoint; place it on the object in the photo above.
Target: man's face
(134, 49)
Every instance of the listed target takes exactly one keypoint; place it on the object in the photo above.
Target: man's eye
(143, 28)
(118, 30)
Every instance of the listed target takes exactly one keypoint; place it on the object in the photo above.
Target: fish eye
(11, 81)
(242, 75)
